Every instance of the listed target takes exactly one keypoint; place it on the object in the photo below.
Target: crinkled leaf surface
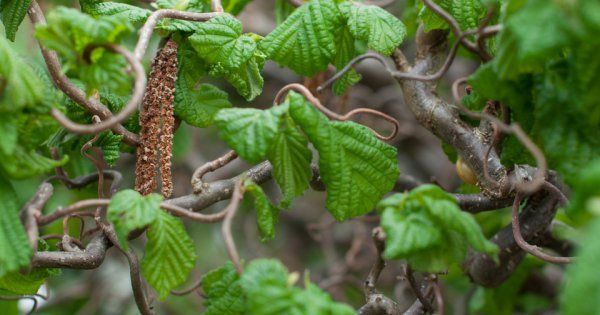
(128, 210)
(305, 41)
(269, 291)
(355, 166)
(427, 228)
(170, 254)
(290, 156)
(249, 131)
(267, 214)
(224, 293)
(14, 246)
(382, 31)
(220, 40)
(13, 13)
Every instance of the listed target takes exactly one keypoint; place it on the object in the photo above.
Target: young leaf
(17, 283)
(270, 291)
(14, 246)
(13, 13)
(290, 156)
(199, 107)
(305, 41)
(128, 211)
(110, 145)
(584, 280)
(249, 131)
(170, 255)
(224, 293)
(266, 213)
(427, 228)
(196, 106)
(347, 48)
(357, 169)
(24, 163)
(220, 40)
(382, 31)
(99, 8)
(246, 79)
(8, 130)
(21, 85)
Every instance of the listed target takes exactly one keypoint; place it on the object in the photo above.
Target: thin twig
(189, 290)
(33, 209)
(532, 249)
(148, 28)
(379, 241)
(408, 273)
(231, 210)
(333, 115)
(211, 166)
(62, 82)
(110, 122)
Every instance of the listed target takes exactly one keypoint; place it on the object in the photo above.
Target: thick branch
(442, 119)
(535, 219)
(90, 258)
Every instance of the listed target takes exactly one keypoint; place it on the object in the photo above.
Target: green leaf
(25, 284)
(70, 32)
(283, 9)
(357, 169)
(13, 13)
(234, 7)
(14, 245)
(110, 145)
(8, 130)
(290, 156)
(20, 84)
(583, 278)
(270, 291)
(586, 197)
(266, 213)
(198, 107)
(25, 163)
(69, 29)
(170, 255)
(427, 228)
(347, 48)
(468, 14)
(249, 131)
(382, 31)
(230, 54)
(223, 291)
(220, 40)
(99, 8)
(128, 211)
(305, 41)
(246, 79)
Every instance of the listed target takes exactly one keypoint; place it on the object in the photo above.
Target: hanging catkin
(157, 108)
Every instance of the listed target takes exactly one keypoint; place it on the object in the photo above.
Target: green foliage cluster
(428, 229)
(545, 69)
(265, 288)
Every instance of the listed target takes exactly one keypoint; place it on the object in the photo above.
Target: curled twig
(529, 248)
(62, 82)
(132, 105)
(230, 211)
(148, 28)
(333, 115)
(211, 166)
(189, 290)
(408, 274)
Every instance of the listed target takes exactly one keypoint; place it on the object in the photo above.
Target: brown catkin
(157, 107)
